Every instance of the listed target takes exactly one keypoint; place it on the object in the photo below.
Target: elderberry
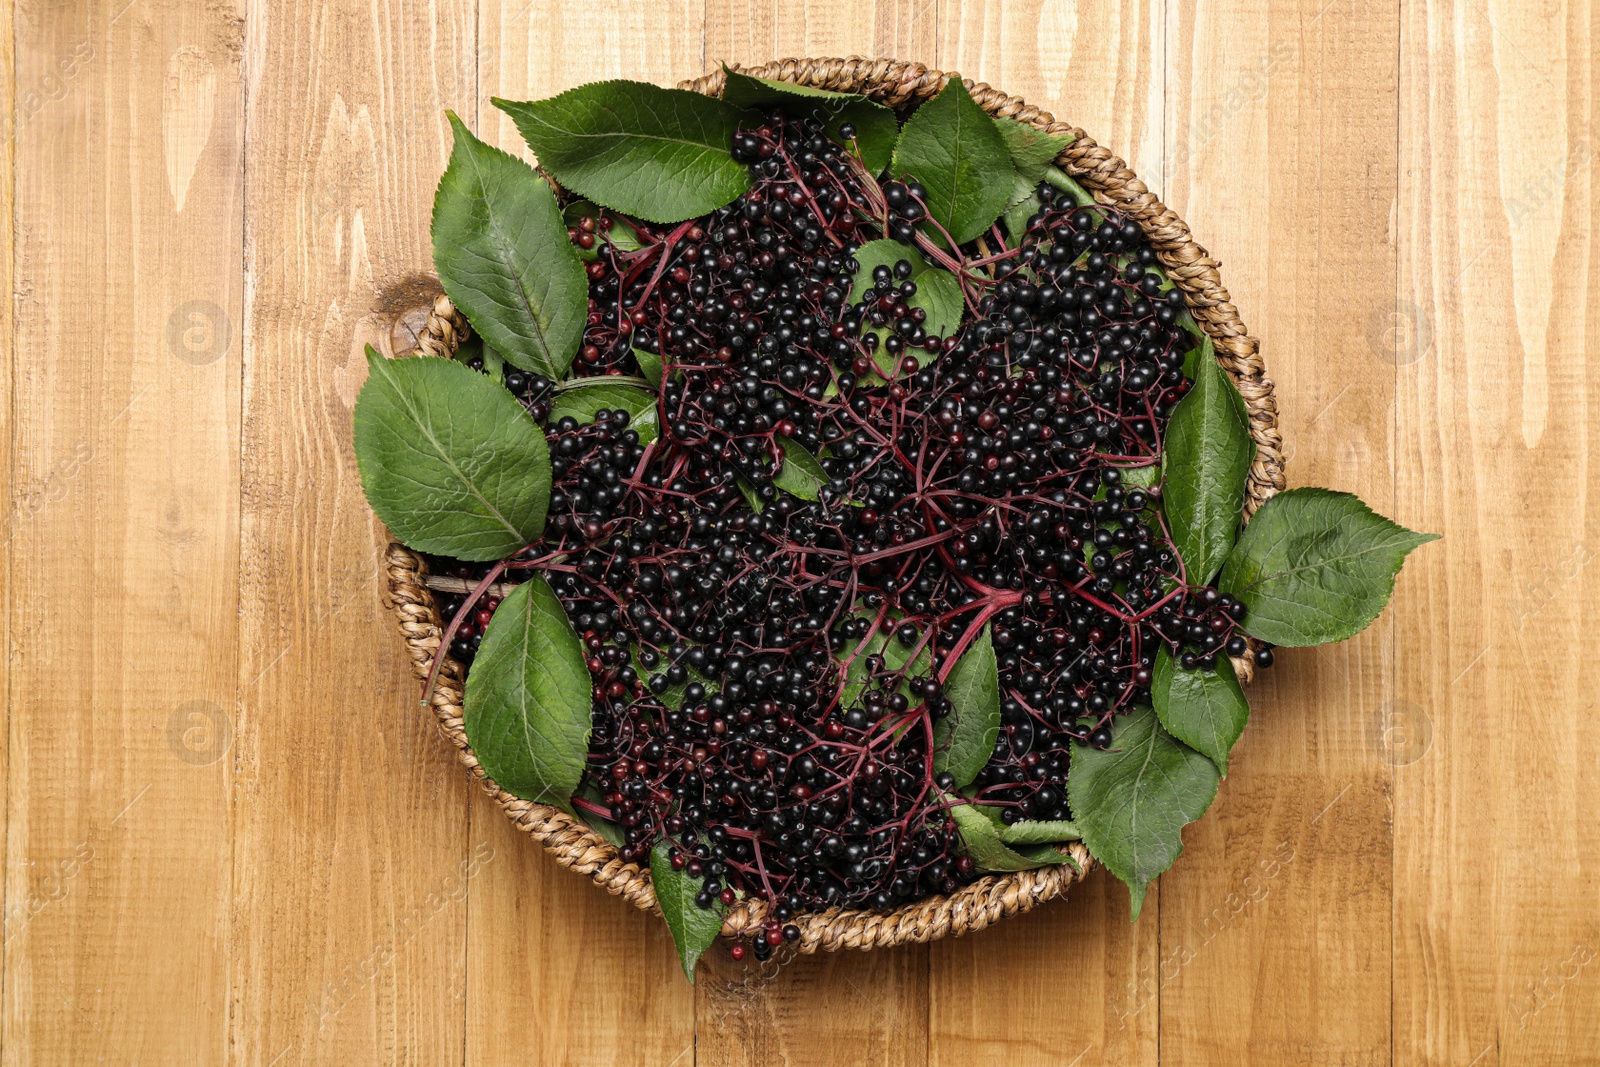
(767, 669)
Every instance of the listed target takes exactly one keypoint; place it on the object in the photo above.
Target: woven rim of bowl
(992, 897)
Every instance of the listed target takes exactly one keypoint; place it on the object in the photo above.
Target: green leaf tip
(1132, 801)
(500, 247)
(800, 475)
(875, 125)
(1207, 459)
(1206, 710)
(448, 459)
(1136, 893)
(956, 151)
(1316, 566)
(1032, 150)
(662, 155)
(528, 709)
(966, 736)
(1035, 832)
(981, 829)
(694, 929)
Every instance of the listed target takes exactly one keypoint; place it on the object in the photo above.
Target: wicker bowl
(897, 84)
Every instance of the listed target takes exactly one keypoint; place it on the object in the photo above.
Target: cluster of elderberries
(768, 670)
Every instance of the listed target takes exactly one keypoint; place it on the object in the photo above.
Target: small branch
(442, 584)
(603, 379)
(592, 808)
(467, 605)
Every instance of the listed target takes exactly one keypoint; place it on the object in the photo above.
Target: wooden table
(232, 836)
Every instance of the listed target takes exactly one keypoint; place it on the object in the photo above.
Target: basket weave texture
(899, 85)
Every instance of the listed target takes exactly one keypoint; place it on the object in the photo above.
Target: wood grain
(842, 1007)
(1042, 53)
(534, 50)
(353, 864)
(583, 977)
(759, 31)
(1100, 69)
(233, 837)
(128, 175)
(857, 1007)
(1283, 896)
(1495, 925)
(12, 513)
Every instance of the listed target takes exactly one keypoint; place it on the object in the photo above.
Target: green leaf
(672, 696)
(1032, 150)
(1206, 710)
(585, 403)
(1034, 832)
(1165, 280)
(750, 497)
(800, 475)
(501, 250)
(1020, 210)
(746, 91)
(578, 210)
(622, 235)
(663, 155)
(604, 827)
(1059, 178)
(896, 657)
(1315, 566)
(647, 424)
(1141, 477)
(1208, 454)
(953, 148)
(649, 366)
(1022, 190)
(938, 294)
(449, 460)
(694, 929)
(897, 654)
(966, 736)
(1041, 855)
(528, 706)
(1133, 802)
(494, 364)
(980, 836)
(884, 252)
(876, 132)
(876, 128)
(584, 398)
